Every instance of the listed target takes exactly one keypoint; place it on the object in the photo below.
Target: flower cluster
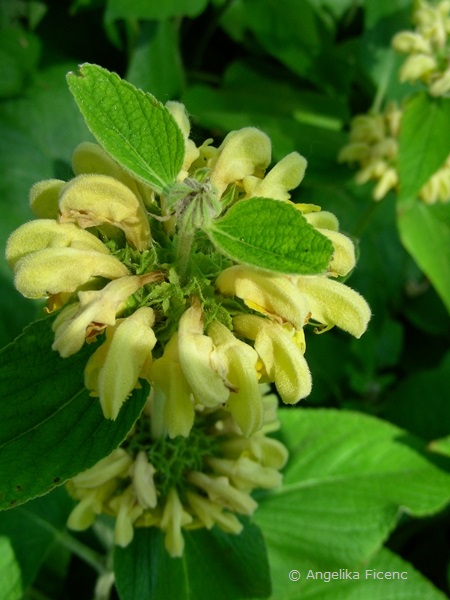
(374, 147)
(428, 47)
(180, 484)
(131, 269)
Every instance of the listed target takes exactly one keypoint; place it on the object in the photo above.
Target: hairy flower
(374, 146)
(428, 47)
(211, 480)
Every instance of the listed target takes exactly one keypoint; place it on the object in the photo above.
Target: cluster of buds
(428, 47)
(181, 484)
(374, 148)
(108, 252)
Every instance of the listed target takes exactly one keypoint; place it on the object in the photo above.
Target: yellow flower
(281, 356)
(173, 391)
(94, 199)
(173, 519)
(113, 370)
(199, 359)
(333, 303)
(272, 295)
(98, 307)
(244, 401)
(242, 153)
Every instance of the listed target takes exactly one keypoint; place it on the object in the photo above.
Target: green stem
(184, 247)
(91, 557)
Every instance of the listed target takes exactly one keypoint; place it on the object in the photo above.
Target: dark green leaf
(214, 564)
(51, 429)
(271, 235)
(131, 125)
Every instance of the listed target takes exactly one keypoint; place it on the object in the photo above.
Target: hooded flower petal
(199, 359)
(99, 307)
(244, 402)
(93, 199)
(244, 152)
(333, 303)
(286, 175)
(113, 370)
(168, 375)
(272, 295)
(46, 233)
(282, 358)
(54, 270)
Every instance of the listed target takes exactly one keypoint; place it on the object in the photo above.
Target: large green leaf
(386, 576)
(214, 564)
(425, 233)
(51, 428)
(272, 235)
(349, 478)
(424, 142)
(131, 125)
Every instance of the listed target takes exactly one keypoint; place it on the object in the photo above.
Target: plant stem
(91, 557)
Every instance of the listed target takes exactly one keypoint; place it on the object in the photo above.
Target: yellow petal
(173, 519)
(286, 175)
(47, 233)
(93, 199)
(333, 303)
(44, 198)
(197, 357)
(273, 295)
(54, 270)
(242, 153)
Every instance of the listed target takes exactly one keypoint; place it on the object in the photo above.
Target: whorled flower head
(107, 251)
(180, 484)
(428, 47)
(374, 148)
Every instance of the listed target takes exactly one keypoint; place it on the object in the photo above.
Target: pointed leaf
(425, 233)
(51, 428)
(131, 125)
(214, 564)
(272, 235)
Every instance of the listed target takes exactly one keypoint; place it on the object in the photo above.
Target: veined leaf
(51, 428)
(131, 125)
(271, 235)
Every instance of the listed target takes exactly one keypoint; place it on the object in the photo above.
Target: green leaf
(272, 235)
(9, 572)
(19, 54)
(412, 585)
(348, 479)
(131, 125)
(214, 564)
(424, 142)
(143, 9)
(51, 428)
(156, 63)
(420, 402)
(33, 530)
(425, 233)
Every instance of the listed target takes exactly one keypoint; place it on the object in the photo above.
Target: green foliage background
(362, 489)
